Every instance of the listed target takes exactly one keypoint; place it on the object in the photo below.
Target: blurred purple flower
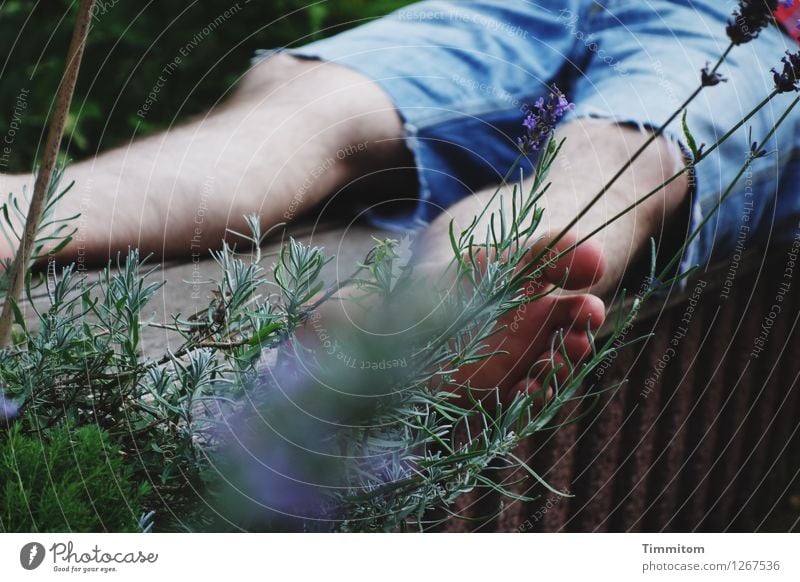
(274, 453)
(8, 409)
(283, 459)
(540, 123)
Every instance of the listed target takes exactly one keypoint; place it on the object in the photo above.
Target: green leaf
(690, 141)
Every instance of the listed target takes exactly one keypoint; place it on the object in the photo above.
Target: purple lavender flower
(283, 459)
(789, 78)
(8, 410)
(540, 123)
(750, 18)
(709, 78)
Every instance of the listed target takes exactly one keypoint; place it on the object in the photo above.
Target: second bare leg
(292, 133)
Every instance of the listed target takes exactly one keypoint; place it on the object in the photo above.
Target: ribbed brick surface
(714, 446)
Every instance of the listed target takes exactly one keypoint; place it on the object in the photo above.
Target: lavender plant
(247, 425)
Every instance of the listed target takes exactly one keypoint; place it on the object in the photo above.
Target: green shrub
(72, 480)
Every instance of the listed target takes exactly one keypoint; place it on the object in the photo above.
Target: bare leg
(593, 152)
(294, 132)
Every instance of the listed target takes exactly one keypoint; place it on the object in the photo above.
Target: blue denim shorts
(462, 72)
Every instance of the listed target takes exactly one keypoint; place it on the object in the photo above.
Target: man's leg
(293, 132)
(594, 150)
(273, 149)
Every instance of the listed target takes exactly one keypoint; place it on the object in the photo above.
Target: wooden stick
(45, 174)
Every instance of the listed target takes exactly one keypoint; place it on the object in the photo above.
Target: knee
(270, 74)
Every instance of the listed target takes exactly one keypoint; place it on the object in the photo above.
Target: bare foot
(531, 332)
(525, 342)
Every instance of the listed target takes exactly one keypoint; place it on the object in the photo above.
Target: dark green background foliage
(70, 480)
(129, 46)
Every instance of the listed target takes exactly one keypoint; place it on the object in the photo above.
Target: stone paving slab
(186, 284)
